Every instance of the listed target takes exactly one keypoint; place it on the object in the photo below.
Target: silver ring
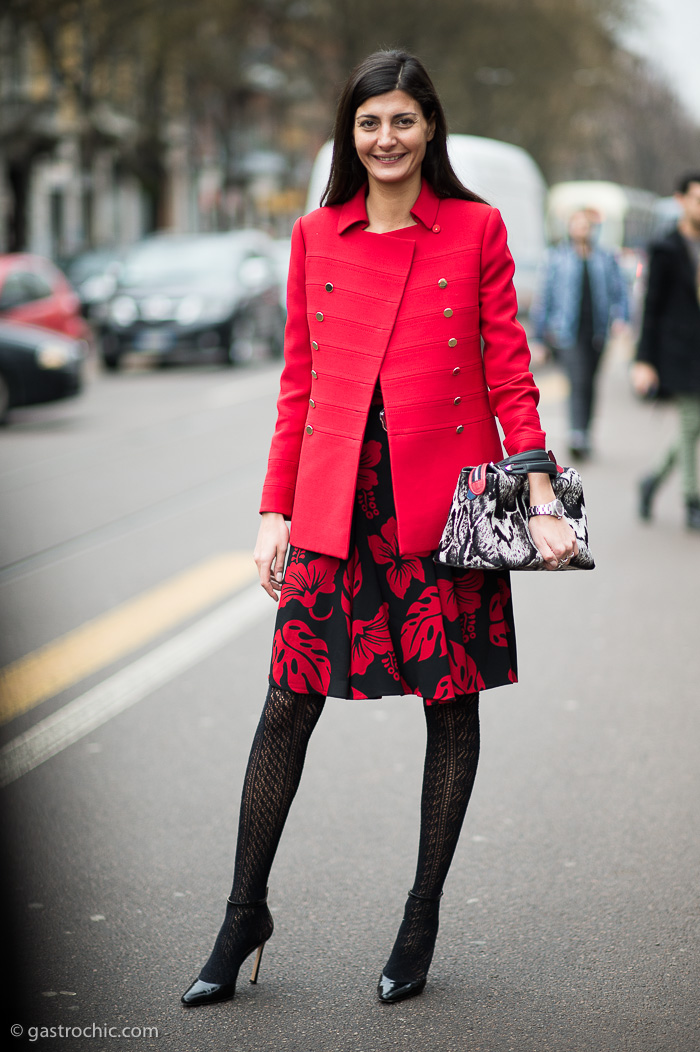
(562, 563)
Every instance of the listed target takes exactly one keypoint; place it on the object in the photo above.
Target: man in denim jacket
(582, 294)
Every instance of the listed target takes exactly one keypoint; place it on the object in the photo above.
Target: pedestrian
(582, 295)
(668, 353)
(385, 395)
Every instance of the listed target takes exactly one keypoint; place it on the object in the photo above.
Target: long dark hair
(382, 72)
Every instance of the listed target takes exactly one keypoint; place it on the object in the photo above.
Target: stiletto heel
(256, 963)
(257, 931)
(392, 990)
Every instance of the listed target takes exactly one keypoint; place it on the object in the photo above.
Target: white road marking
(131, 684)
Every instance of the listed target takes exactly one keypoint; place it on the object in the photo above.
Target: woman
(385, 396)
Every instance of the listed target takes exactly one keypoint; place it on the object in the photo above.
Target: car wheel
(242, 340)
(4, 399)
(112, 361)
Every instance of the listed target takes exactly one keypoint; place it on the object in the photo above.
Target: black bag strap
(533, 460)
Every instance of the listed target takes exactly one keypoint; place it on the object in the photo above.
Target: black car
(93, 275)
(211, 296)
(37, 365)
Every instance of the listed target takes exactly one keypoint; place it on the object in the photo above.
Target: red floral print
(402, 568)
(302, 658)
(468, 586)
(370, 638)
(352, 585)
(464, 673)
(423, 633)
(367, 478)
(304, 582)
(499, 628)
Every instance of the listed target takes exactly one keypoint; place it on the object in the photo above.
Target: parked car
(37, 365)
(180, 297)
(93, 275)
(35, 292)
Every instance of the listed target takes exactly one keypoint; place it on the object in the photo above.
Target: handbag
(487, 528)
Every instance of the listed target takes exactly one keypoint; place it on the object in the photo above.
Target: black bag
(487, 528)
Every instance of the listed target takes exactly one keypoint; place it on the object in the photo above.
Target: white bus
(504, 175)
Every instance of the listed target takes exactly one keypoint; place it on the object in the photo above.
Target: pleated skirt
(380, 623)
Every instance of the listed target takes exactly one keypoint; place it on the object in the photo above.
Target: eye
(406, 122)
(367, 123)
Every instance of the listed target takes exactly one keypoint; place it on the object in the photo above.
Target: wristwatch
(555, 507)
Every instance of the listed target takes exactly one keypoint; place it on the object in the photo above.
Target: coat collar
(354, 211)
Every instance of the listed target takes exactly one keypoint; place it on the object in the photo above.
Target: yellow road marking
(96, 644)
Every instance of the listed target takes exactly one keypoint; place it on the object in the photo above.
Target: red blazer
(410, 308)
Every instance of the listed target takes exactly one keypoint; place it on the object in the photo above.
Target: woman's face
(390, 137)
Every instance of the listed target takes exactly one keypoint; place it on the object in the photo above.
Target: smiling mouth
(391, 158)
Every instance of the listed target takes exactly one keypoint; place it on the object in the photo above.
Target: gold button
(309, 429)
(456, 371)
(448, 312)
(319, 316)
(329, 286)
(442, 283)
(314, 374)
(314, 345)
(457, 400)
(452, 342)
(312, 403)
(460, 429)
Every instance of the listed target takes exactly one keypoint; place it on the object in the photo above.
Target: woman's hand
(554, 538)
(644, 378)
(270, 551)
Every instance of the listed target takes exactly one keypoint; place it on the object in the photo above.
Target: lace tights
(451, 758)
(271, 781)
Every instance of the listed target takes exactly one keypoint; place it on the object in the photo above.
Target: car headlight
(206, 310)
(123, 310)
(189, 310)
(56, 355)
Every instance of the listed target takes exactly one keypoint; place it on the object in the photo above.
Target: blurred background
(121, 120)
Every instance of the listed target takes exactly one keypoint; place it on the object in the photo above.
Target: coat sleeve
(648, 347)
(295, 388)
(513, 396)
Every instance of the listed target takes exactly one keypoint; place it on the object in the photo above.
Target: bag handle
(533, 460)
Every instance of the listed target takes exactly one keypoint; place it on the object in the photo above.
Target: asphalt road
(571, 915)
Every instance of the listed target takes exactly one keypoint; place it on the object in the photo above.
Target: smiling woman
(401, 349)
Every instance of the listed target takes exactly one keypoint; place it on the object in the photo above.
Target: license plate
(153, 340)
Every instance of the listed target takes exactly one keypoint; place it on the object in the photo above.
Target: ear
(431, 128)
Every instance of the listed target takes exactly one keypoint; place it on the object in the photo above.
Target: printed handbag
(487, 528)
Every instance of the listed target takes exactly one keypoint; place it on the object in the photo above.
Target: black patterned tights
(271, 781)
(451, 758)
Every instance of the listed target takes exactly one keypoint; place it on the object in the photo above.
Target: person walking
(582, 295)
(385, 395)
(668, 353)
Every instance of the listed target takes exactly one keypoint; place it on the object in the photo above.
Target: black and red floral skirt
(380, 623)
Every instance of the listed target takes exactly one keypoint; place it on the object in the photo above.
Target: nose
(386, 137)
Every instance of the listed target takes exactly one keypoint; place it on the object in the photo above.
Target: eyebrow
(406, 113)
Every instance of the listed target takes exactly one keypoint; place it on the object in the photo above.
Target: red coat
(411, 309)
